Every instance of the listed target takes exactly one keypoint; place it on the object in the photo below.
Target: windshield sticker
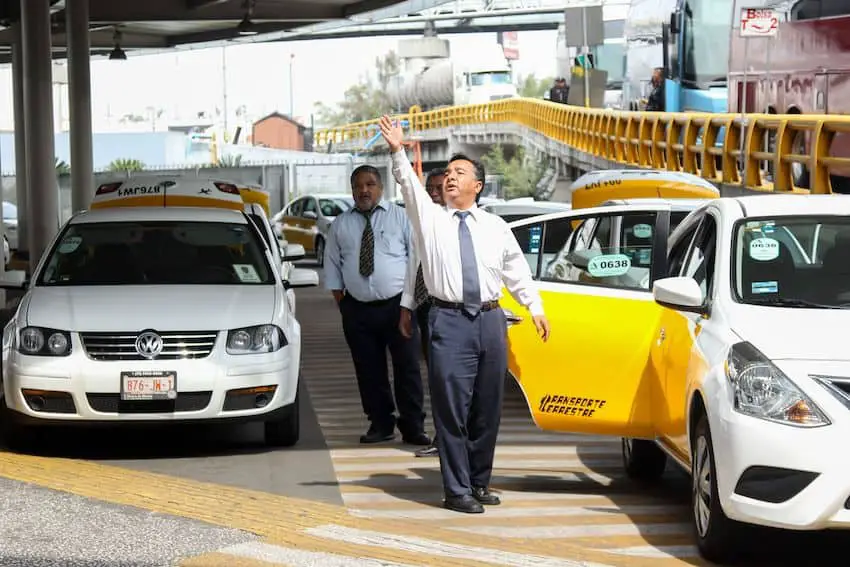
(764, 249)
(534, 239)
(246, 273)
(765, 287)
(642, 231)
(609, 265)
(69, 244)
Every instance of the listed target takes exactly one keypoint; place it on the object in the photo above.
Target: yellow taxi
(596, 187)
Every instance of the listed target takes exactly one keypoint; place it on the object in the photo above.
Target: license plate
(148, 385)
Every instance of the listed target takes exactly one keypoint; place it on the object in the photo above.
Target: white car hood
(164, 308)
(782, 333)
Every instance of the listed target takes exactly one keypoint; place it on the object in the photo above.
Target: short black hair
(477, 166)
(366, 169)
(434, 173)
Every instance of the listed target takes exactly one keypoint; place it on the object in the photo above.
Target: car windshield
(157, 253)
(335, 207)
(793, 262)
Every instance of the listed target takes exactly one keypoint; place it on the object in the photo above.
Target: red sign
(510, 45)
(758, 22)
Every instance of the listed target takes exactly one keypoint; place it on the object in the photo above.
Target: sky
(257, 76)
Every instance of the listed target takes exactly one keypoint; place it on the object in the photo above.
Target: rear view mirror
(294, 252)
(581, 258)
(309, 215)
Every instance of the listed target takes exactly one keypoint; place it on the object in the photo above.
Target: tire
(643, 460)
(285, 431)
(320, 251)
(715, 533)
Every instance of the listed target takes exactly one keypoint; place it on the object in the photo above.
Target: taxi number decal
(571, 406)
(141, 190)
(604, 183)
(609, 265)
(764, 249)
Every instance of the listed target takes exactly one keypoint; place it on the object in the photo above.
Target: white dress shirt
(498, 255)
(408, 294)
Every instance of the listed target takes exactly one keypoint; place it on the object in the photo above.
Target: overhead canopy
(163, 24)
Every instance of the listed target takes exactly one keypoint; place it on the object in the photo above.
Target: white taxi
(726, 357)
(162, 303)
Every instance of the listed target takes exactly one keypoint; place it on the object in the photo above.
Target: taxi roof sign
(168, 192)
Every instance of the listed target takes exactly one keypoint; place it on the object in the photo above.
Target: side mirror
(293, 252)
(299, 277)
(680, 294)
(674, 23)
(309, 215)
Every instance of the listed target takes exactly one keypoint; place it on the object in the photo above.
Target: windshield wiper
(785, 302)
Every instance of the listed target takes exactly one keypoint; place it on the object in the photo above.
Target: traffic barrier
(676, 141)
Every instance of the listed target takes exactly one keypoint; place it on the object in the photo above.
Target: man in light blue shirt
(366, 261)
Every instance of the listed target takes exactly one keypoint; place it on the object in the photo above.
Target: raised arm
(517, 277)
(333, 264)
(418, 205)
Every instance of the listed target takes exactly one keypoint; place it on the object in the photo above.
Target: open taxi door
(596, 373)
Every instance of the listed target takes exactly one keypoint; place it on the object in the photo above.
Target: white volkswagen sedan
(140, 313)
(725, 355)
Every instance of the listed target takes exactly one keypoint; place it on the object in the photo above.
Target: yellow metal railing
(660, 140)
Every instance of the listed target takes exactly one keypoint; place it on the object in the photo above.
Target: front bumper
(783, 476)
(219, 387)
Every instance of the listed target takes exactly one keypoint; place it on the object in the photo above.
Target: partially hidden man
(366, 260)
(467, 255)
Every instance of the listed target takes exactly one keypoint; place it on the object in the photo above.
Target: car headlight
(38, 341)
(762, 390)
(255, 340)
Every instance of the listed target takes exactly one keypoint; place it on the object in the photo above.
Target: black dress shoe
(417, 439)
(484, 496)
(376, 435)
(466, 504)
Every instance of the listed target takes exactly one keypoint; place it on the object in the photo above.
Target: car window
(529, 238)
(678, 253)
(612, 250)
(544, 239)
(157, 253)
(766, 271)
(309, 206)
(294, 209)
(332, 207)
(701, 260)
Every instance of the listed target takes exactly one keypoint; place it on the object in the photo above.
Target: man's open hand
(392, 132)
(542, 325)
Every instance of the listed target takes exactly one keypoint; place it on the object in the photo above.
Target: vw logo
(149, 344)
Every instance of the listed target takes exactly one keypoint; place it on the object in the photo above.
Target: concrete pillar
(42, 183)
(21, 186)
(79, 97)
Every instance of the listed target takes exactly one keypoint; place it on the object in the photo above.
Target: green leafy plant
(520, 173)
(126, 164)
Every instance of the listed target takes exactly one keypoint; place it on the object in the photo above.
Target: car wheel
(643, 460)
(285, 431)
(320, 251)
(715, 532)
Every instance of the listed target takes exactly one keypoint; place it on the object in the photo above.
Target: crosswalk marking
(433, 547)
(292, 557)
(553, 486)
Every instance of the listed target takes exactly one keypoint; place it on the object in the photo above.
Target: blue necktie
(469, 267)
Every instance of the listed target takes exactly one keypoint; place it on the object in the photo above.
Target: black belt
(486, 306)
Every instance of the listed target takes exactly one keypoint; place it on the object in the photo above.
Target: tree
(520, 174)
(532, 87)
(126, 164)
(365, 100)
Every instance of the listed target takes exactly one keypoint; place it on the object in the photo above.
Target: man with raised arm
(467, 255)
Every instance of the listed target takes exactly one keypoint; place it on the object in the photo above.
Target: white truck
(477, 76)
